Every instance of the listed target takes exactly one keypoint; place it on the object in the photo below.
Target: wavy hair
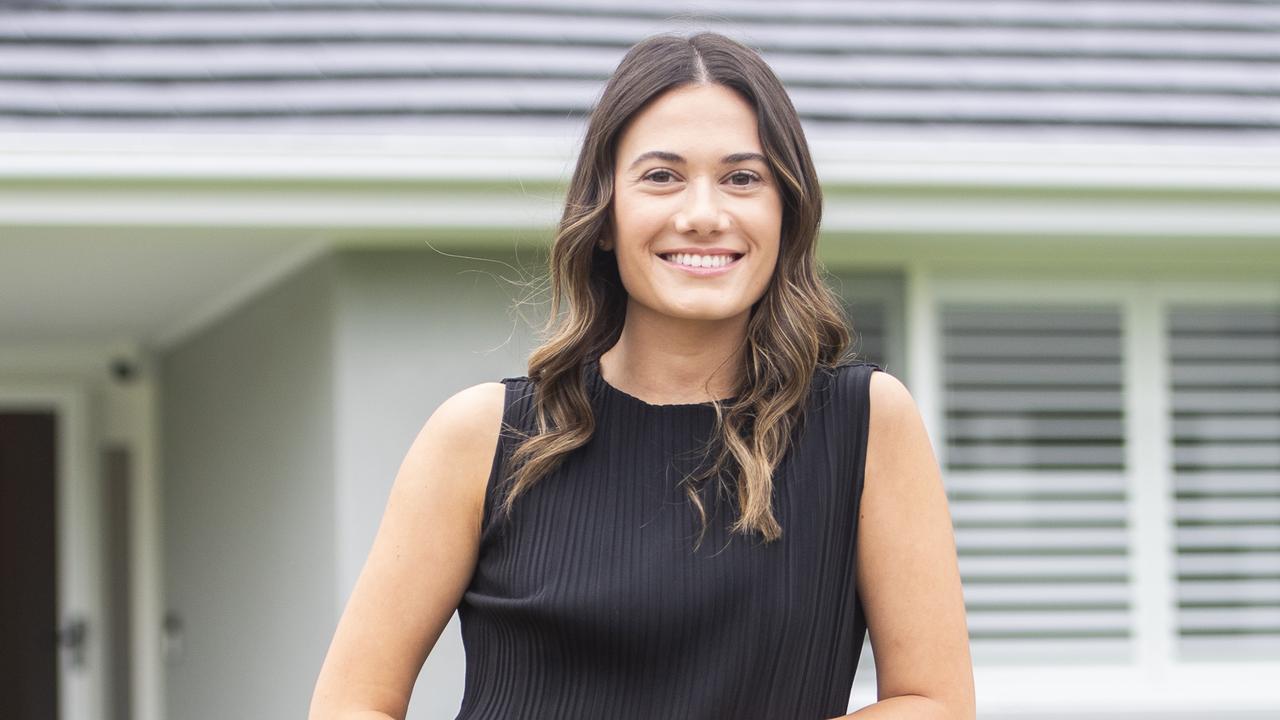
(796, 327)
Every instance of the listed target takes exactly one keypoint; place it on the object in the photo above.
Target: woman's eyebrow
(671, 157)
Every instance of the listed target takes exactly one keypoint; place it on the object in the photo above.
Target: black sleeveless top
(591, 602)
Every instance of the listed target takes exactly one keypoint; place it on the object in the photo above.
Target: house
(246, 248)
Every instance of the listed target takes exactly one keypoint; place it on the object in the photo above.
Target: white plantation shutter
(1225, 416)
(1034, 467)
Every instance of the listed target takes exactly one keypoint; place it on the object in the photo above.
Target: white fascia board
(317, 183)
(549, 158)
(1049, 165)
(282, 158)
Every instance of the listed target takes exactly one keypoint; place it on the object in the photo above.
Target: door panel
(28, 532)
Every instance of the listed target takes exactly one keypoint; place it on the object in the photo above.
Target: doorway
(51, 555)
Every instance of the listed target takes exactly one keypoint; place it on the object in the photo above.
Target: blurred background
(248, 246)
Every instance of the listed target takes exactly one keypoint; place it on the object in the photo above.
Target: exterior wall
(413, 328)
(283, 428)
(247, 412)
(347, 360)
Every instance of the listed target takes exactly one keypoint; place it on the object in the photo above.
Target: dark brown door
(28, 573)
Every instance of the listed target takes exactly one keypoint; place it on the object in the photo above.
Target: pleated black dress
(591, 602)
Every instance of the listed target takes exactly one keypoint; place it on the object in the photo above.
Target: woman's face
(690, 178)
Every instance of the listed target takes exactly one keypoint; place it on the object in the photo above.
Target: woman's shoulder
(880, 386)
(850, 375)
(479, 411)
(888, 403)
(865, 384)
(472, 413)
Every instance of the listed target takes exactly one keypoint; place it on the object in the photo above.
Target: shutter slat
(997, 456)
(1231, 619)
(1037, 622)
(1260, 511)
(999, 594)
(1000, 481)
(1042, 345)
(1048, 566)
(1208, 537)
(1045, 400)
(1091, 539)
(1228, 427)
(1212, 591)
(1225, 346)
(1224, 401)
(1221, 374)
(1059, 510)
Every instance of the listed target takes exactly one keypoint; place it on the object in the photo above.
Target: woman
(696, 386)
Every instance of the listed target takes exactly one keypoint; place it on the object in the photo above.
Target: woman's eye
(737, 179)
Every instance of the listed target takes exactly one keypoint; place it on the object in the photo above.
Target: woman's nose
(701, 212)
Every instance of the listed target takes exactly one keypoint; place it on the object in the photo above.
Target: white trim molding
(379, 182)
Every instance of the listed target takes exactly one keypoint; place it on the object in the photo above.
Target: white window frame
(1155, 684)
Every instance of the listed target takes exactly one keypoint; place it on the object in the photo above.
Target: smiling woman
(693, 182)
(700, 355)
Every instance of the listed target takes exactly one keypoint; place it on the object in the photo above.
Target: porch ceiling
(143, 286)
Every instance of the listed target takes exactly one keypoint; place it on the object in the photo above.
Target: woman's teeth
(712, 261)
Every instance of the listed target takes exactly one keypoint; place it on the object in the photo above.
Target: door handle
(73, 637)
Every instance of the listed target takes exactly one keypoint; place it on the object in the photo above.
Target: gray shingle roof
(1206, 69)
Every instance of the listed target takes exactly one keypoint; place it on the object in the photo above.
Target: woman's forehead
(706, 125)
(705, 107)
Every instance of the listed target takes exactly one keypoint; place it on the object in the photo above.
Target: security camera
(123, 369)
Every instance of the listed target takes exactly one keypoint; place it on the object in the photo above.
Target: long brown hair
(796, 327)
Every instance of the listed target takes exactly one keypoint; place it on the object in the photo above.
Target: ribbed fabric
(591, 603)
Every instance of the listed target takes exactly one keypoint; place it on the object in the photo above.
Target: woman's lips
(704, 271)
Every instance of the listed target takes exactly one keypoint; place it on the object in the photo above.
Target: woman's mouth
(702, 265)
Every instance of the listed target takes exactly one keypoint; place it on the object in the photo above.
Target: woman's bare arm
(908, 576)
(420, 564)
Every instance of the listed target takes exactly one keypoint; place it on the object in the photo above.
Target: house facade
(246, 249)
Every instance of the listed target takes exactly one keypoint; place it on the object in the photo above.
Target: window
(1035, 473)
(1225, 421)
(1111, 454)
